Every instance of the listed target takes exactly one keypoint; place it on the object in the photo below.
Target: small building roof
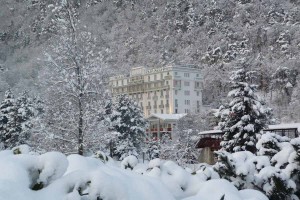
(210, 132)
(169, 117)
(284, 126)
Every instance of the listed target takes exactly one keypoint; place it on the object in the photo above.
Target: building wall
(168, 90)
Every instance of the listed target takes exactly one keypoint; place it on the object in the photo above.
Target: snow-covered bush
(274, 169)
(129, 162)
(53, 176)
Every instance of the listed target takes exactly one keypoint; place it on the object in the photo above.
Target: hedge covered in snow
(274, 169)
(26, 175)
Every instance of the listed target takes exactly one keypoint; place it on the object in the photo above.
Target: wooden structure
(209, 141)
(291, 130)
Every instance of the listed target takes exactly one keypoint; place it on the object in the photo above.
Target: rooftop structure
(167, 90)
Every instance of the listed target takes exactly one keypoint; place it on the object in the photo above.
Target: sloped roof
(210, 132)
(284, 126)
(173, 117)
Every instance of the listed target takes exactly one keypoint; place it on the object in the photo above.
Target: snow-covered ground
(53, 176)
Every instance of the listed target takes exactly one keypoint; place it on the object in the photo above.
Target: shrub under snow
(53, 176)
(274, 170)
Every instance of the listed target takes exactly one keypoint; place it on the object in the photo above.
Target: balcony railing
(160, 130)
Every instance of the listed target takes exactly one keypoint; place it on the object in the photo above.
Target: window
(186, 110)
(197, 84)
(176, 111)
(149, 104)
(186, 75)
(161, 102)
(176, 92)
(197, 75)
(198, 94)
(148, 78)
(161, 76)
(187, 92)
(187, 102)
(186, 83)
(176, 102)
(161, 93)
(155, 77)
(176, 73)
(162, 111)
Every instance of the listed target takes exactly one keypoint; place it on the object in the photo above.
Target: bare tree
(74, 85)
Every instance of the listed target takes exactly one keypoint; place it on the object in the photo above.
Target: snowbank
(53, 176)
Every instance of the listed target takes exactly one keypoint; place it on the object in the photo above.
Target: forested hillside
(215, 35)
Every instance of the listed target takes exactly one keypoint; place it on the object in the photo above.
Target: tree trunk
(80, 126)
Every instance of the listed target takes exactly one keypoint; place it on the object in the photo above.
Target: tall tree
(9, 126)
(127, 119)
(245, 116)
(16, 119)
(73, 80)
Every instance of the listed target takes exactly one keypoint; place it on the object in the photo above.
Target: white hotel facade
(167, 90)
(164, 94)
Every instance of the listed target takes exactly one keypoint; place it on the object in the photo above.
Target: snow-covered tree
(73, 79)
(127, 119)
(16, 119)
(9, 126)
(245, 116)
(283, 81)
(294, 106)
(27, 110)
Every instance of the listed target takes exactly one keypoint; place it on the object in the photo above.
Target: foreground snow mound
(53, 176)
(222, 189)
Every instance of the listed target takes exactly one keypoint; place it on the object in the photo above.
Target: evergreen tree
(10, 127)
(245, 116)
(16, 119)
(153, 149)
(127, 119)
(26, 111)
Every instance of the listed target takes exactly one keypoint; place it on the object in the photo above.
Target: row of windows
(186, 74)
(155, 103)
